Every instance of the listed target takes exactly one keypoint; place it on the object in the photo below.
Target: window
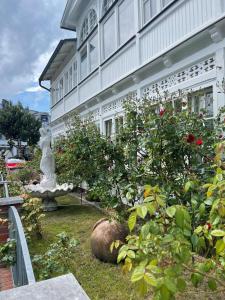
(126, 20)
(66, 83)
(94, 53)
(106, 5)
(60, 88)
(88, 25)
(92, 19)
(83, 66)
(149, 10)
(109, 37)
(108, 128)
(70, 78)
(202, 101)
(118, 124)
(84, 30)
(75, 73)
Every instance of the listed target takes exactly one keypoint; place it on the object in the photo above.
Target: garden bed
(99, 280)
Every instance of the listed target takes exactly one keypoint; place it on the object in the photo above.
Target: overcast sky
(29, 33)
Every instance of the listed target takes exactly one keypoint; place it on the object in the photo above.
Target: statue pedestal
(49, 204)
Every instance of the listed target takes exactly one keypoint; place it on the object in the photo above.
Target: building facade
(140, 48)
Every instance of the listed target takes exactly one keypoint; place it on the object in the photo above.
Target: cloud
(29, 31)
(33, 89)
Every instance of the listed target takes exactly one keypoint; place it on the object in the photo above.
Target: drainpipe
(44, 87)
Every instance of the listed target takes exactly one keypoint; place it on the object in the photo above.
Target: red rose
(190, 138)
(199, 142)
(161, 112)
(209, 226)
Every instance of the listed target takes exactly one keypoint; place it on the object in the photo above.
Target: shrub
(8, 253)
(32, 215)
(156, 147)
(169, 238)
(56, 260)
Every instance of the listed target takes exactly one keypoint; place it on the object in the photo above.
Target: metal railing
(22, 270)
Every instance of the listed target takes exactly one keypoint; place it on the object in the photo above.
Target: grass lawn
(99, 280)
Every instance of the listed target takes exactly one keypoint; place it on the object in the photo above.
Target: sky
(29, 32)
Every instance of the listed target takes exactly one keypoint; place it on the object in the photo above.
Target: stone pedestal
(49, 204)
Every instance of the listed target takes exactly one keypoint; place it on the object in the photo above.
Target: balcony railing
(22, 270)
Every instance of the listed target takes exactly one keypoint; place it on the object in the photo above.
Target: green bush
(56, 260)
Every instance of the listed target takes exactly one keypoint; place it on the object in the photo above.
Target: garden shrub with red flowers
(157, 166)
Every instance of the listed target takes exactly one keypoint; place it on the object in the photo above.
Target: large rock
(104, 233)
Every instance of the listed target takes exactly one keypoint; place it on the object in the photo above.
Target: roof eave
(63, 23)
(59, 46)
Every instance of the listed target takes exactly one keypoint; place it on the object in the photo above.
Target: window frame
(114, 11)
(85, 47)
(88, 24)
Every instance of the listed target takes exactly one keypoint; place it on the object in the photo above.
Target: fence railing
(22, 270)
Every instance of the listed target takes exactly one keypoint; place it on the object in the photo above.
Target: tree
(18, 125)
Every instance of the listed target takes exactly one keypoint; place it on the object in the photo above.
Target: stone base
(49, 204)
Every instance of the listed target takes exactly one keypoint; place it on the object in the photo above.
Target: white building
(138, 47)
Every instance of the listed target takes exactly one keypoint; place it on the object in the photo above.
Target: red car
(14, 163)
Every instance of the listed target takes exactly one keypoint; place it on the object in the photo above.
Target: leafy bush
(32, 214)
(8, 253)
(166, 243)
(161, 147)
(56, 261)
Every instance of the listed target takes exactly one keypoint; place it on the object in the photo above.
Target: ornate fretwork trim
(118, 103)
(163, 85)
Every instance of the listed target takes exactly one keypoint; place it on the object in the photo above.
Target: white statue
(48, 189)
(47, 164)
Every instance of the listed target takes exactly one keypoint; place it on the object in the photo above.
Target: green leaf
(202, 209)
(131, 254)
(142, 211)
(171, 211)
(112, 247)
(179, 216)
(209, 201)
(218, 232)
(220, 246)
(138, 274)
(164, 293)
(198, 229)
(194, 240)
(121, 256)
(142, 287)
(132, 220)
(170, 285)
(212, 284)
(151, 280)
(145, 230)
(187, 186)
(151, 208)
(196, 279)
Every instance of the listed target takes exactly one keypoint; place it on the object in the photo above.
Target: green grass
(99, 280)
